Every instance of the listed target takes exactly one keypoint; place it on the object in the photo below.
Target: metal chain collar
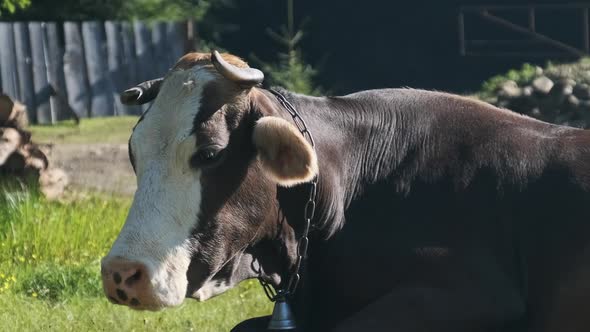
(309, 211)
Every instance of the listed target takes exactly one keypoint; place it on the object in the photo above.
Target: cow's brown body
(435, 212)
(457, 216)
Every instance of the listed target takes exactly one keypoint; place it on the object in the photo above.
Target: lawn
(116, 129)
(50, 254)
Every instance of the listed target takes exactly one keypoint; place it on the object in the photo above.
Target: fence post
(116, 58)
(129, 67)
(55, 74)
(102, 103)
(40, 83)
(75, 70)
(24, 69)
(143, 51)
(176, 39)
(8, 61)
(161, 49)
(81, 72)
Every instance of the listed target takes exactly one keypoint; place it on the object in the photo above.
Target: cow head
(208, 156)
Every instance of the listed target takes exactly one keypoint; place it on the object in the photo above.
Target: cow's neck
(355, 142)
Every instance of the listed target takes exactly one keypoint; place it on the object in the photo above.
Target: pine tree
(291, 71)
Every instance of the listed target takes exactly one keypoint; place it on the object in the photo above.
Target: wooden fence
(57, 69)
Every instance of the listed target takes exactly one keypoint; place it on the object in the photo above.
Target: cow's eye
(207, 156)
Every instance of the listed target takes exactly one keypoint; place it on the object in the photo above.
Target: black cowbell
(282, 317)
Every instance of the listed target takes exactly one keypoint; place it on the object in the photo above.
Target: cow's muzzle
(128, 283)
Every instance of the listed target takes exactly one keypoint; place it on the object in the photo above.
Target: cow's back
(483, 196)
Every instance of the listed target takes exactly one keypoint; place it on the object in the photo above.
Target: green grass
(49, 272)
(115, 129)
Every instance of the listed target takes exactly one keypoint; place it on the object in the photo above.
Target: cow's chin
(168, 293)
(211, 289)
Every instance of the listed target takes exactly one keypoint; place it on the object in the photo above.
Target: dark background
(376, 43)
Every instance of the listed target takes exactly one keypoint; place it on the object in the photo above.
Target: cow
(433, 212)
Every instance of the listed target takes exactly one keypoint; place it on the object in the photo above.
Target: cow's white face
(191, 222)
(166, 205)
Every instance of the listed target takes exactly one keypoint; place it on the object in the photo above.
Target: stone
(572, 102)
(563, 118)
(522, 104)
(53, 183)
(562, 88)
(535, 113)
(560, 91)
(527, 91)
(509, 89)
(549, 109)
(584, 106)
(542, 85)
(582, 91)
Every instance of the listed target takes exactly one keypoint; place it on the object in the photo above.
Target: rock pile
(19, 156)
(558, 94)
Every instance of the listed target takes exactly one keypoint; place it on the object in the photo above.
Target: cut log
(10, 140)
(19, 117)
(22, 159)
(35, 158)
(14, 164)
(6, 105)
(12, 114)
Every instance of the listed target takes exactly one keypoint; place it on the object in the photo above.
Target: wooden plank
(116, 59)
(24, 67)
(55, 74)
(8, 61)
(40, 83)
(129, 67)
(143, 51)
(144, 54)
(160, 47)
(176, 39)
(192, 42)
(130, 56)
(101, 87)
(75, 70)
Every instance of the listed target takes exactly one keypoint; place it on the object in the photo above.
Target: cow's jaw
(166, 205)
(210, 289)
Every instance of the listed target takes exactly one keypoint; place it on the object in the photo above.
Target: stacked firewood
(19, 156)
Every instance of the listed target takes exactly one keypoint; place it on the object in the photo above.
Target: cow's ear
(286, 156)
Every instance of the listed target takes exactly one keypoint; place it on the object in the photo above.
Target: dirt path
(96, 167)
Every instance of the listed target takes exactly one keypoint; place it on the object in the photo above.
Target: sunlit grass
(20, 312)
(49, 271)
(116, 129)
(80, 231)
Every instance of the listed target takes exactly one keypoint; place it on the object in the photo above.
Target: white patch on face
(167, 202)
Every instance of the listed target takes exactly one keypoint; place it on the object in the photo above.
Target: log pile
(20, 157)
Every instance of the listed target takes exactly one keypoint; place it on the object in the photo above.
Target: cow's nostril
(117, 278)
(121, 294)
(133, 278)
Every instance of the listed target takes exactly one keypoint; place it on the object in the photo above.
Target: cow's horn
(141, 93)
(246, 77)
